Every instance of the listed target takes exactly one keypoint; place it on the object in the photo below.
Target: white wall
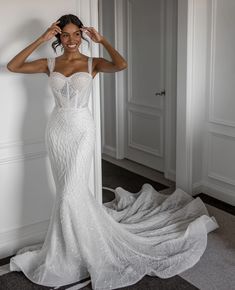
(26, 185)
(206, 66)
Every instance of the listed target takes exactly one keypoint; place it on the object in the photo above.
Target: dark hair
(64, 20)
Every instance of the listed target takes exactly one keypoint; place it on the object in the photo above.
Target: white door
(144, 136)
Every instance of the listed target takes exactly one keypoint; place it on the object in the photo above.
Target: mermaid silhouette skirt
(116, 243)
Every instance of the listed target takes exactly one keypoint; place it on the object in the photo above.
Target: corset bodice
(72, 91)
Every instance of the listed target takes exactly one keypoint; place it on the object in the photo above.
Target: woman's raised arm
(19, 64)
(101, 64)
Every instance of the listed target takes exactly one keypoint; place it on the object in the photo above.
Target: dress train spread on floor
(117, 243)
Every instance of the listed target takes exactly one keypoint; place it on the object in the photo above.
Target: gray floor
(114, 176)
(216, 269)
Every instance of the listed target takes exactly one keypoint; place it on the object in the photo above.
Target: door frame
(184, 96)
(120, 77)
(191, 83)
(121, 84)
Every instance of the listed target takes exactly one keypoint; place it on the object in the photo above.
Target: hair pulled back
(64, 20)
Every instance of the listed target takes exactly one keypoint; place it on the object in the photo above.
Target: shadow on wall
(36, 98)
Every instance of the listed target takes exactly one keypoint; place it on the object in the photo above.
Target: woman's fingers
(55, 23)
(58, 30)
(92, 33)
(51, 31)
(55, 27)
(88, 32)
(91, 29)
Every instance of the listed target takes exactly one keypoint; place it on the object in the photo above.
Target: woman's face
(71, 37)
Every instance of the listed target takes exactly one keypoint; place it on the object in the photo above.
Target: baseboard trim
(13, 240)
(170, 174)
(109, 150)
(215, 191)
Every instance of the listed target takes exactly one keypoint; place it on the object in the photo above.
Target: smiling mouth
(71, 45)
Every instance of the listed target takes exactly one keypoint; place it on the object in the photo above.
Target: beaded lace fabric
(115, 244)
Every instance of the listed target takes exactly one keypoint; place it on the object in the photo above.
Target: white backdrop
(26, 184)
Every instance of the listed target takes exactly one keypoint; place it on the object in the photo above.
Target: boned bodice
(72, 91)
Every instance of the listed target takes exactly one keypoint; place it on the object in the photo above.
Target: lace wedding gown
(115, 244)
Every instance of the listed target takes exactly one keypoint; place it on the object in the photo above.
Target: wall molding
(212, 61)
(23, 157)
(21, 150)
(21, 143)
(221, 122)
(221, 178)
(144, 108)
(210, 172)
(212, 117)
(129, 56)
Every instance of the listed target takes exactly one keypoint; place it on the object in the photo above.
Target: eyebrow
(73, 32)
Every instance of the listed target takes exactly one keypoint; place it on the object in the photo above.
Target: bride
(115, 244)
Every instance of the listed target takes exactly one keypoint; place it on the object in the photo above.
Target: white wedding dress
(115, 244)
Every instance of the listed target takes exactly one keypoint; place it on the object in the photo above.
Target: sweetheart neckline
(79, 72)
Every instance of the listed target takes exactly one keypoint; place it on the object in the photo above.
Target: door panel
(145, 109)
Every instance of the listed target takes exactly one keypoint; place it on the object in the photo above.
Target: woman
(115, 244)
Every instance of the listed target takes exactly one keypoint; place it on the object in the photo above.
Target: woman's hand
(93, 34)
(51, 31)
